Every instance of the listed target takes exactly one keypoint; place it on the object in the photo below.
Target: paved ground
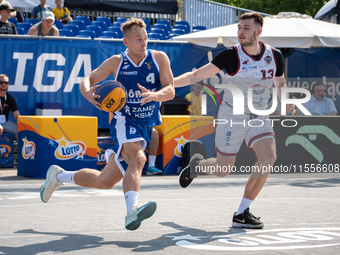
(300, 213)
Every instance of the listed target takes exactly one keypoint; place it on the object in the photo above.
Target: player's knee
(269, 158)
(140, 158)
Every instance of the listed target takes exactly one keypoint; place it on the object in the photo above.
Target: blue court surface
(300, 213)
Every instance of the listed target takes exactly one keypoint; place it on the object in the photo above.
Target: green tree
(273, 7)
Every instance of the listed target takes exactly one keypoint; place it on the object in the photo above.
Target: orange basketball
(112, 96)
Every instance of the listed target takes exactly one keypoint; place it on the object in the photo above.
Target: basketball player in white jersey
(250, 64)
(148, 79)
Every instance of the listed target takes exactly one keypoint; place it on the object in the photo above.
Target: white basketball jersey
(255, 74)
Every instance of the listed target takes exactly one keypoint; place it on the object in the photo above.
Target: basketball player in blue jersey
(148, 79)
(253, 64)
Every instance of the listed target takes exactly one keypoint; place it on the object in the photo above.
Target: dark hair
(258, 19)
(316, 84)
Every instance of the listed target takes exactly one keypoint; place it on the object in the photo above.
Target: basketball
(112, 96)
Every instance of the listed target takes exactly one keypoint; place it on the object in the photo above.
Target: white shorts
(231, 130)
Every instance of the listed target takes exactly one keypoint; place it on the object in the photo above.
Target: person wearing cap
(45, 26)
(16, 14)
(6, 27)
(38, 11)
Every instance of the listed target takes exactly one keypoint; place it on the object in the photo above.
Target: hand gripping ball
(112, 96)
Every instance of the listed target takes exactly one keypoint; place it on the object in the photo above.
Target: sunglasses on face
(4, 82)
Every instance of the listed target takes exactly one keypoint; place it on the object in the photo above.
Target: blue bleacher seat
(199, 28)
(13, 20)
(25, 26)
(104, 19)
(155, 36)
(20, 30)
(65, 32)
(172, 35)
(58, 23)
(181, 26)
(32, 21)
(79, 23)
(183, 22)
(116, 24)
(118, 30)
(121, 20)
(101, 24)
(96, 29)
(164, 27)
(86, 20)
(111, 33)
(178, 31)
(90, 33)
(148, 24)
(166, 22)
(158, 31)
(74, 28)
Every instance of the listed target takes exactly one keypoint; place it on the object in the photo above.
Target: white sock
(245, 203)
(66, 177)
(152, 160)
(131, 199)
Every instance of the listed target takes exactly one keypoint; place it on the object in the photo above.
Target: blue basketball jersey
(147, 75)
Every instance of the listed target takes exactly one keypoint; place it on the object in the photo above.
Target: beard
(251, 41)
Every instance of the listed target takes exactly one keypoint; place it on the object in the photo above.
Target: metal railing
(112, 15)
(196, 12)
(211, 14)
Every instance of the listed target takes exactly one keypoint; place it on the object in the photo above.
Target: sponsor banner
(175, 132)
(6, 150)
(157, 6)
(103, 144)
(304, 145)
(62, 140)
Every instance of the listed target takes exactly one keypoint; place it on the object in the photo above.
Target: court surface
(300, 213)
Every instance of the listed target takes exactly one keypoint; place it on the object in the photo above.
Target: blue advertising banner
(44, 70)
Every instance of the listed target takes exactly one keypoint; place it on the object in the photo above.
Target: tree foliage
(273, 7)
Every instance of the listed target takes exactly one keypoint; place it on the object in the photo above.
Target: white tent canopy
(278, 31)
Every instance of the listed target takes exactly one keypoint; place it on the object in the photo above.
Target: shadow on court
(77, 242)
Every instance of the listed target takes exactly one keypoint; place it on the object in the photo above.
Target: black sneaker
(246, 220)
(188, 173)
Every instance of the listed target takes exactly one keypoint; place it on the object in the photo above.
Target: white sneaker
(51, 184)
(138, 214)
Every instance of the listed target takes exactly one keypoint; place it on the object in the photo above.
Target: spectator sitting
(16, 14)
(37, 12)
(7, 103)
(319, 104)
(61, 12)
(6, 27)
(195, 99)
(45, 26)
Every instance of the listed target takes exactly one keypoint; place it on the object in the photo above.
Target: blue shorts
(125, 129)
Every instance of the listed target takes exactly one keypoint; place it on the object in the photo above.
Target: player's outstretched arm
(203, 72)
(166, 78)
(87, 87)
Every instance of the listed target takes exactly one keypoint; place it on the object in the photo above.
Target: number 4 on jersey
(151, 78)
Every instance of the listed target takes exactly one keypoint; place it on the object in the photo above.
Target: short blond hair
(4, 76)
(127, 26)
